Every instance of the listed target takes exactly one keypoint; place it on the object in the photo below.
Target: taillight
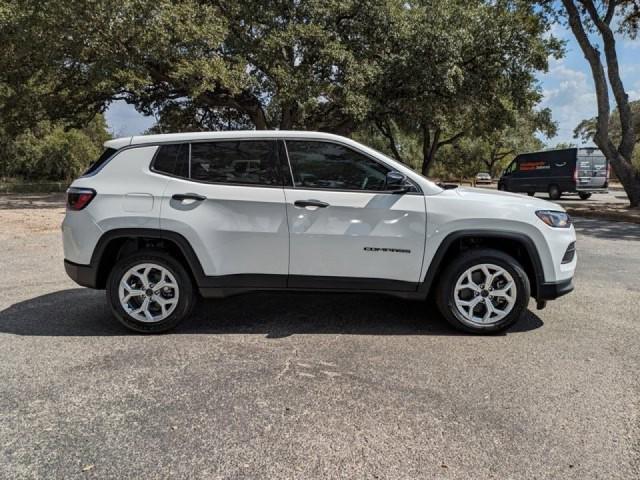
(575, 174)
(78, 198)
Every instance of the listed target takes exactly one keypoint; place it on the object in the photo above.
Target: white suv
(158, 219)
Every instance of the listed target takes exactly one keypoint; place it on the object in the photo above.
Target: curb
(610, 216)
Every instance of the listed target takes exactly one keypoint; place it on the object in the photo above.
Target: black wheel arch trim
(106, 238)
(87, 275)
(436, 262)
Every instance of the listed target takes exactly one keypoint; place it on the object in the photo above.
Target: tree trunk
(429, 148)
(629, 176)
(289, 116)
(387, 132)
(619, 158)
(258, 118)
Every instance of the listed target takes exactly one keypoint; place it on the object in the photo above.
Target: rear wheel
(584, 195)
(483, 291)
(531, 194)
(554, 192)
(150, 292)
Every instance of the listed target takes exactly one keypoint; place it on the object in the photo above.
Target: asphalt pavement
(275, 385)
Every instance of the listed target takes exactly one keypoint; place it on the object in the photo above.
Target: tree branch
(386, 131)
(627, 140)
(451, 139)
(610, 11)
(602, 94)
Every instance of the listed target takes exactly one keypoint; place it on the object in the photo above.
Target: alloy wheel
(484, 294)
(148, 292)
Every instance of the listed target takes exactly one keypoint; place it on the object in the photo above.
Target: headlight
(554, 218)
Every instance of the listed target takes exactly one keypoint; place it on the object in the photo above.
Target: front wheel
(554, 192)
(150, 292)
(483, 291)
(584, 195)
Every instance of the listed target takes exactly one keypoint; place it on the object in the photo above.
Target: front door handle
(188, 196)
(310, 203)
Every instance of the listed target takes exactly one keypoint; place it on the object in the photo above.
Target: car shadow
(84, 312)
(607, 230)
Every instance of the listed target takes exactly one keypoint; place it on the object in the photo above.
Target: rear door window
(242, 162)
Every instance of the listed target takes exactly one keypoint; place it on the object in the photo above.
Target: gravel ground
(315, 386)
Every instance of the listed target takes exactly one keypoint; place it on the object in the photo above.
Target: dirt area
(22, 214)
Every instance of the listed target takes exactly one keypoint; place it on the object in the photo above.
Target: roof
(118, 143)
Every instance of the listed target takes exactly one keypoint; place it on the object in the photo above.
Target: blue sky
(567, 88)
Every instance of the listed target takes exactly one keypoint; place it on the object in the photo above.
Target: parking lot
(302, 386)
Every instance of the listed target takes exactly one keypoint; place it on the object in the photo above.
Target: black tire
(531, 194)
(186, 298)
(554, 192)
(584, 195)
(446, 289)
(502, 187)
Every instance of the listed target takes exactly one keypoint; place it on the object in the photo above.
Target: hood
(499, 198)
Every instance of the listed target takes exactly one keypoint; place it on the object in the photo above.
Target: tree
(493, 151)
(406, 144)
(561, 146)
(435, 71)
(50, 151)
(456, 69)
(265, 64)
(517, 138)
(592, 21)
(586, 129)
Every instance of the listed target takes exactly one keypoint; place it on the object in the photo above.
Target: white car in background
(483, 178)
(159, 220)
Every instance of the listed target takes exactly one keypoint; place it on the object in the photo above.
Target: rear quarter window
(102, 159)
(172, 160)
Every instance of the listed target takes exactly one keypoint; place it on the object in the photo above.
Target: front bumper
(83, 275)
(553, 290)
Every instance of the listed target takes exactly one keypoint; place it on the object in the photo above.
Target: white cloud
(571, 97)
(124, 120)
(634, 91)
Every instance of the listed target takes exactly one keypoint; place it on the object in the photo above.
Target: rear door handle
(310, 203)
(188, 196)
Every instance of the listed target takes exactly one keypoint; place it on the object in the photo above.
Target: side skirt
(229, 285)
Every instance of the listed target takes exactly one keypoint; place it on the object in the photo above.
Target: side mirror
(396, 182)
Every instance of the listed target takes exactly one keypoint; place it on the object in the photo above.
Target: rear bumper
(591, 190)
(553, 290)
(84, 275)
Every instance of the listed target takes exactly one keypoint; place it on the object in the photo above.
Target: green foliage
(561, 146)
(586, 130)
(463, 69)
(489, 153)
(50, 152)
(407, 144)
(422, 73)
